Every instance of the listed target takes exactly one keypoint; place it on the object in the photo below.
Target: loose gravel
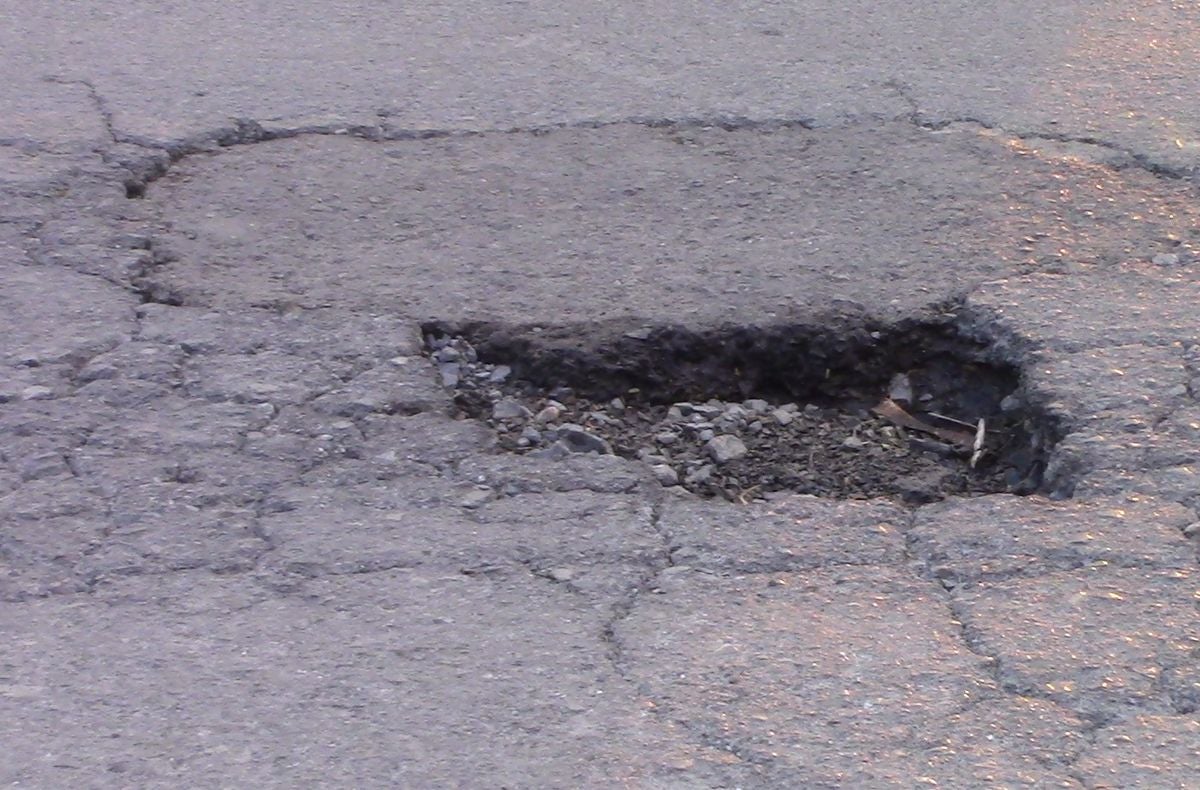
(738, 450)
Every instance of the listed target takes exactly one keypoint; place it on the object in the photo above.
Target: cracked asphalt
(243, 542)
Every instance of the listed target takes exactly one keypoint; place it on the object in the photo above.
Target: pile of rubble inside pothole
(741, 451)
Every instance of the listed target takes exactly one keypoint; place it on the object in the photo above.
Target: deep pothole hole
(914, 411)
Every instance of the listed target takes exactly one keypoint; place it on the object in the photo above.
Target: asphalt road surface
(246, 539)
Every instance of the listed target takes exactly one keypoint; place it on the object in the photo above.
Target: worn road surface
(244, 541)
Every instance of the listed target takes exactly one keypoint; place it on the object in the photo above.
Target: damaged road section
(839, 408)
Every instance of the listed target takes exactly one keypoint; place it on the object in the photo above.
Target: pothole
(915, 412)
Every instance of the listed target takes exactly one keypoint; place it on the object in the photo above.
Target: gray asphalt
(244, 542)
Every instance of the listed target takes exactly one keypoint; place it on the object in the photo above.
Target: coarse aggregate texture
(245, 541)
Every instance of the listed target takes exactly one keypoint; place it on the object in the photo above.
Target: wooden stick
(891, 411)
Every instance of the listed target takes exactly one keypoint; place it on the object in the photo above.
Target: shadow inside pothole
(843, 409)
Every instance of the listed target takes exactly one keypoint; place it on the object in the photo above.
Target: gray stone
(666, 437)
(665, 474)
(900, 389)
(499, 374)
(783, 417)
(555, 451)
(97, 371)
(723, 449)
(37, 392)
(757, 405)
(737, 412)
(1165, 259)
(548, 414)
(577, 439)
(476, 497)
(43, 465)
(510, 409)
(703, 411)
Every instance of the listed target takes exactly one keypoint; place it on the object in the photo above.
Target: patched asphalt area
(229, 463)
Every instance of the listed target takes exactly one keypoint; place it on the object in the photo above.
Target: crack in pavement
(1140, 160)
(102, 108)
(248, 132)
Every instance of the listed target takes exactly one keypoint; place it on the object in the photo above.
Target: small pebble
(510, 409)
(37, 392)
(554, 452)
(900, 389)
(578, 440)
(783, 417)
(473, 499)
(665, 475)
(548, 415)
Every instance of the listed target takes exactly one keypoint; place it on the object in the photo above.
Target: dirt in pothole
(741, 450)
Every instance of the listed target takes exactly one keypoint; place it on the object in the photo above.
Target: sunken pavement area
(259, 523)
